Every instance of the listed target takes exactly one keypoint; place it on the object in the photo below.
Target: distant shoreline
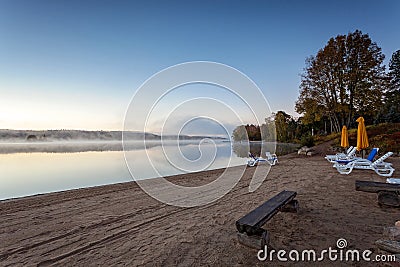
(83, 135)
(74, 146)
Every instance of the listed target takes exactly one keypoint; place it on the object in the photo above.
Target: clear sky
(76, 64)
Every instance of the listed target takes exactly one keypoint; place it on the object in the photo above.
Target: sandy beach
(121, 225)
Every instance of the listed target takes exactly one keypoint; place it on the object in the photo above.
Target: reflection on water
(32, 173)
(24, 174)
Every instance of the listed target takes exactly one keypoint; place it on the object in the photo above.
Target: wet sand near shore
(121, 225)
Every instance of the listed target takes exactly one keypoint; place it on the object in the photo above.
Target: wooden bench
(250, 231)
(388, 194)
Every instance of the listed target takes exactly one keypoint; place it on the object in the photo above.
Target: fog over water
(29, 168)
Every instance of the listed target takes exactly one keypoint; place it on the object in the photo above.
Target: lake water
(47, 169)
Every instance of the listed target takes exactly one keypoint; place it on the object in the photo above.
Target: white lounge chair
(350, 153)
(253, 161)
(370, 157)
(271, 159)
(379, 166)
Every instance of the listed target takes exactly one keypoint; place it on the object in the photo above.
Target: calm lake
(34, 168)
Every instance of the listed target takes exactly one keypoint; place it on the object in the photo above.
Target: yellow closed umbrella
(362, 138)
(344, 142)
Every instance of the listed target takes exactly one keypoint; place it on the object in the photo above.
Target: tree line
(280, 127)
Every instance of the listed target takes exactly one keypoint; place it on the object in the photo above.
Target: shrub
(307, 140)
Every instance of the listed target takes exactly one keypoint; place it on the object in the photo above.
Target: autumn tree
(268, 129)
(240, 133)
(281, 123)
(253, 132)
(247, 132)
(345, 78)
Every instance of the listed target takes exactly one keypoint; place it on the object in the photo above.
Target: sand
(121, 225)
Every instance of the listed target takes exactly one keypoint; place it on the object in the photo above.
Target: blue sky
(76, 64)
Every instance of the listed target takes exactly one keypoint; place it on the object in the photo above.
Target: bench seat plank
(374, 187)
(259, 216)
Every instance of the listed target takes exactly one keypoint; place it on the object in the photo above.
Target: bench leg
(388, 198)
(254, 241)
(292, 206)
